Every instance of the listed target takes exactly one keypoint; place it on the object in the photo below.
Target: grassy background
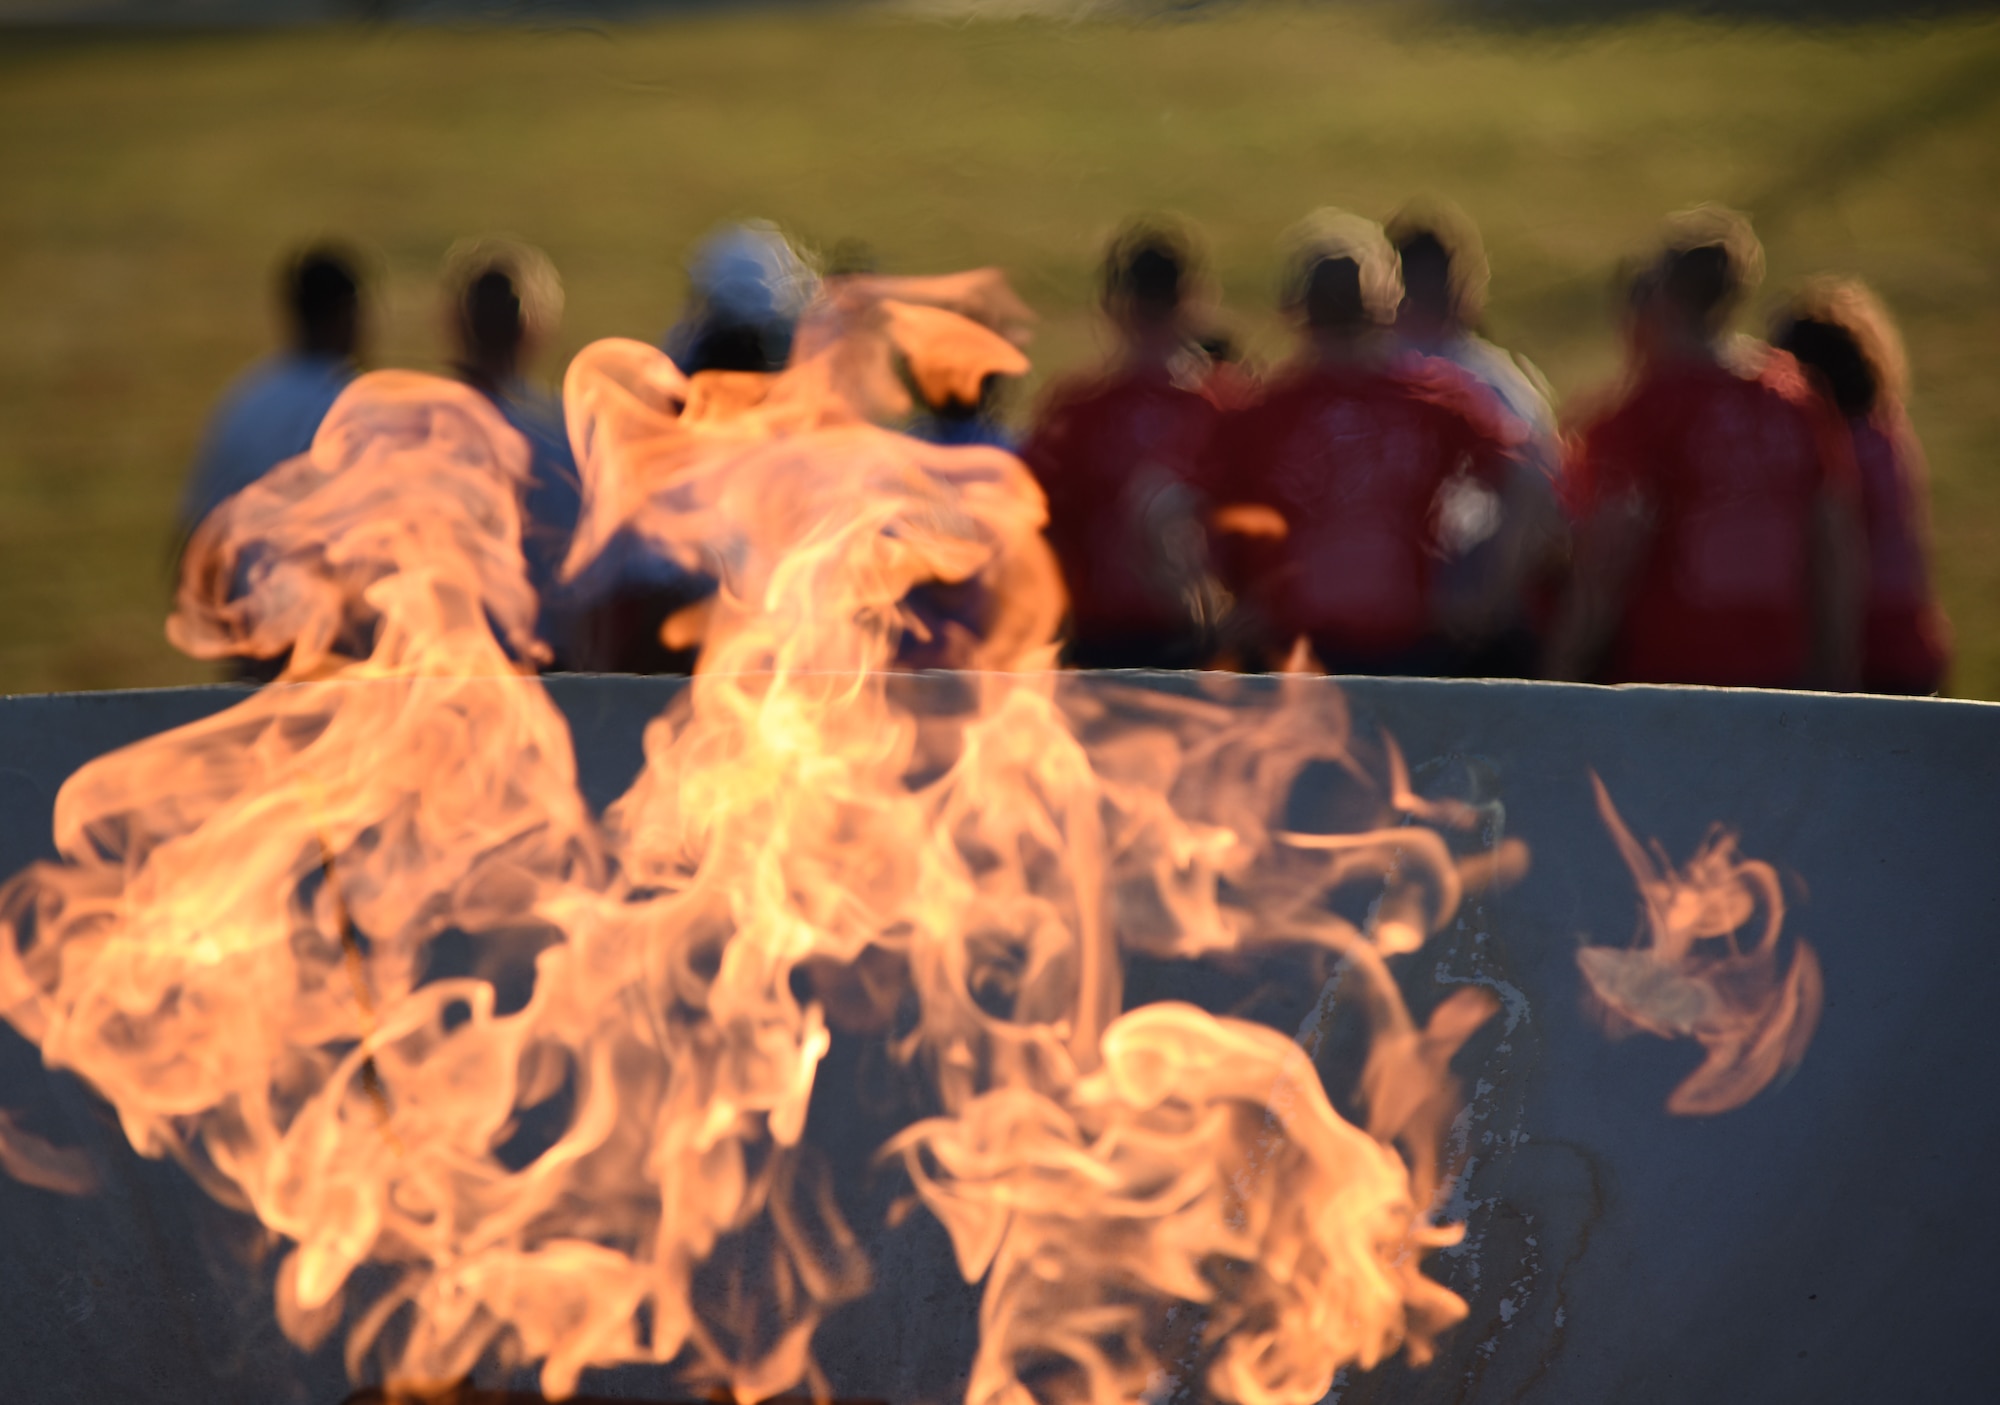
(148, 183)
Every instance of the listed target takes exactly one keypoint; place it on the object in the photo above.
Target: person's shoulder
(1228, 387)
(1773, 372)
(279, 390)
(1785, 391)
(1082, 398)
(1425, 377)
(1518, 382)
(1288, 391)
(1478, 357)
(531, 404)
(538, 417)
(1446, 386)
(278, 373)
(1633, 403)
(1304, 380)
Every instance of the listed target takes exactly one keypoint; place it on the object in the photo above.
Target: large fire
(520, 1085)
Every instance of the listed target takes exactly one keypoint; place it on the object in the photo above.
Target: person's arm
(1529, 524)
(1245, 537)
(1838, 561)
(1239, 526)
(1839, 557)
(1046, 451)
(1610, 544)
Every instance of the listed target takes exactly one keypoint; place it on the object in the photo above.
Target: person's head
(1342, 277)
(1148, 276)
(1709, 263)
(1840, 331)
(748, 288)
(320, 287)
(1443, 265)
(504, 301)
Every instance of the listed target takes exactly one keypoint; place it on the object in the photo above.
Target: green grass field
(147, 184)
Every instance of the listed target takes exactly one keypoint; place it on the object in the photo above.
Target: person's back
(1843, 336)
(1729, 462)
(272, 411)
(1445, 276)
(1350, 450)
(1352, 458)
(1714, 494)
(1118, 456)
(503, 300)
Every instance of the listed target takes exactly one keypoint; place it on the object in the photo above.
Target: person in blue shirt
(272, 411)
(504, 302)
(747, 289)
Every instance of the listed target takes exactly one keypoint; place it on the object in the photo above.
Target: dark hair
(1701, 281)
(1840, 330)
(523, 274)
(1332, 296)
(1832, 352)
(1434, 228)
(1710, 261)
(320, 287)
(1422, 245)
(1341, 272)
(1148, 267)
(492, 311)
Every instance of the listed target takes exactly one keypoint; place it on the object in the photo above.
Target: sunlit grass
(149, 184)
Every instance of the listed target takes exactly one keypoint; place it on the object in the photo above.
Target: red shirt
(1730, 464)
(1906, 641)
(1352, 458)
(1105, 450)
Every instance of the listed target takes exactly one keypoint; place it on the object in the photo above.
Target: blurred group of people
(1399, 496)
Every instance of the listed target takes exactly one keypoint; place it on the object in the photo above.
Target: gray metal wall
(1835, 1240)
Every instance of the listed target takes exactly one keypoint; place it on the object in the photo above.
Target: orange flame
(1692, 976)
(590, 1148)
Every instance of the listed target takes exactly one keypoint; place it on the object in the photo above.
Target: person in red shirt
(1716, 542)
(1117, 454)
(1445, 276)
(1840, 332)
(1340, 465)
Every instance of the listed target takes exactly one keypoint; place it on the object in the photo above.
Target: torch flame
(587, 1144)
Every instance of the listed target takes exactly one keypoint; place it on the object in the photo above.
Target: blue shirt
(268, 415)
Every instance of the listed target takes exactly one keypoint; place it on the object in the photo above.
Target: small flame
(1693, 975)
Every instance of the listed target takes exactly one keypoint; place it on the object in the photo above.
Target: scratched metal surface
(1832, 1241)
